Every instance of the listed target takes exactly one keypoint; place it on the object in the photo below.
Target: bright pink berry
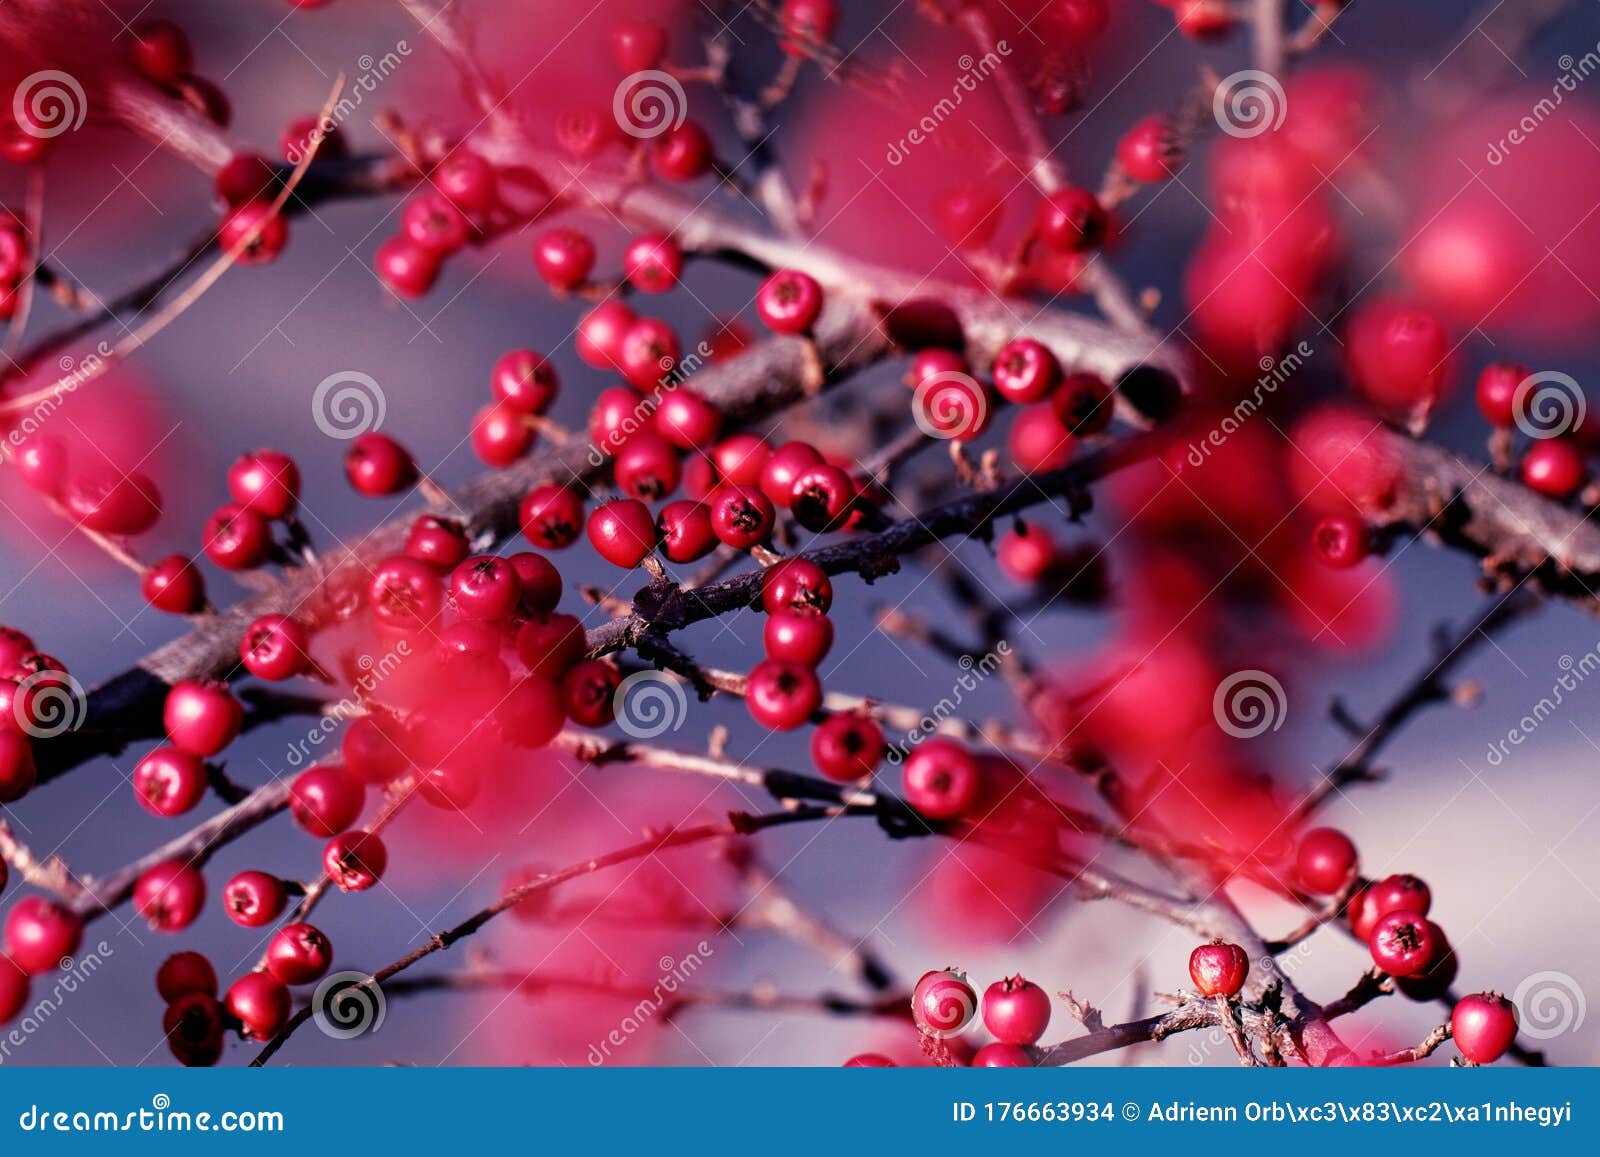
(623, 532)
(247, 177)
(1038, 440)
(183, 973)
(647, 467)
(1016, 1011)
(161, 51)
(531, 712)
(265, 481)
(1340, 541)
(254, 899)
(1070, 220)
(600, 334)
(1078, 21)
(408, 269)
(847, 747)
(1026, 555)
(564, 258)
(18, 773)
(551, 516)
(941, 779)
(42, 460)
(13, 990)
(683, 153)
(501, 434)
(1482, 1025)
(326, 800)
(434, 225)
(1497, 392)
(684, 528)
(638, 45)
(687, 420)
(649, 353)
(468, 181)
(1399, 358)
(439, 542)
(807, 22)
(869, 1061)
(275, 647)
(202, 717)
(40, 934)
(170, 895)
(169, 782)
(822, 498)
(237, 538)
(378, 466)
(1026, 371)
(299, 954)
(588, 692)
(803, 637)
(798, 583)
(538, 583)
(174, 585)
(741, 458)
(652, 263)
(741, 516)
(370, 753)
(355, 861)
(1325, 861)
(1554, 467)
(789, 302)
(1219, 969)
(1150, 151)
(261, 1003)
(253, 233)
(405, 594)
(525, 381)
(485, 587)
(784, 468)
(782, 696)
(112, 502)
(1000, 1055)
(1404, 943)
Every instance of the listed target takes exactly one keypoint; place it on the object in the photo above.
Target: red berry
(265, 481)
(847, 747)
(538, 583)
(524, 381)
(13, 990)
(1070, 220)
(301, 133)
(683, 153)
(1016, 1011)
(1202, 19)
(781, 696)
(1000, 1055)
(600, 334)
(531, 712)
(202, 717)
(550, 644)
(170, 895)
(501, 434)
(789, 302)
(42, 461)
(652, 263)
(370, 754)
(803, 637)
(237, 538)
(647, 467)
(586, 130)
(253, 233)
(1553, 467)
(254, 899)
(808, 22)
(564, 258)
(1340, 541)
(408, 269)
(1325, 861)
(943, 1003)
(1398, 358)
(1026, 371)
(798, 583)
(439, 542)
(1394, 893)
(1497, 392)
(405, 594)
(175, 586)
(326, 800)
(687, 420)
(1404, 943)
(468, 181)
(638, 45)
(169, 782)
(1483, 1026)
(40, 933)
(742, 516)
(551, 516)
(741, 458)
(588, 692)
(1078, 21)
(822, 498)
(378, 466)
(485, 587)
(17, 771)
(299, 954)
(684, 528)
(183, 973)
(193, 1026)
(1218, 969)
(355, 861)
(1038, 440)
(1084, 404)
(1150, 151)
(161, 51)
(261, 1003)
(649, 353)
(112, 502)
(622, 532)
(869, 1061)
(784, 468)
(434, 225)
(941, 779)
(1027, 554)
(247, 177)
(968, 215)
(275, 647)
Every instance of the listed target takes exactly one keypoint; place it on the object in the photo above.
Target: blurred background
(1509, 848)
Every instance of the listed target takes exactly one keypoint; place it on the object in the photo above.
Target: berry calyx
(1340, 541)
(742, 517)
(551, 516)
(237, 538)
(1404, 943)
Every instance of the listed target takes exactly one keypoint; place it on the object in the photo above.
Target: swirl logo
(1249, 103)
(160, 1102)
(949, 405)
(649, 103)
(49, 703)
(48, 104)
(1548, 405)
(1248, 703)
(348, 404)
(944, 1004)
(649, 703)
(347, 1005)
(1549, 1004)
